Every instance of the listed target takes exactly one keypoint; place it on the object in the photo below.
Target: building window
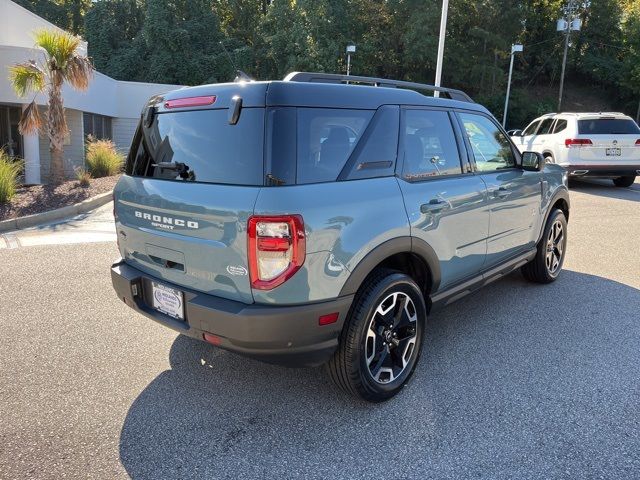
(98, 126)
(10, 138)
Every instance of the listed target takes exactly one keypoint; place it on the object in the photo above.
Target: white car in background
(602, 145)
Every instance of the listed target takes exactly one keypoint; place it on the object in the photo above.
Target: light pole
(350, 49)
(514, 48)
(443, 33)
(571, 22)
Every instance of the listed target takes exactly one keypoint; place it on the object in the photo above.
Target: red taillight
(276, 247)
(638, 142)
(190, 102)
(577, 142)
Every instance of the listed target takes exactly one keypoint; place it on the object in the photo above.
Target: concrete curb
(46, 217)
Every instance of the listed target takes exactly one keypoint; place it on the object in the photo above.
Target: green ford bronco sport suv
(320, 219)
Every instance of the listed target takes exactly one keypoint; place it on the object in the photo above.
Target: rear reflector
(211, 338)
(577, 142)
(190, 102)
(328, 319)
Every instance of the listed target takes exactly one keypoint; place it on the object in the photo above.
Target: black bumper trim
(285, 335)
(606, 171)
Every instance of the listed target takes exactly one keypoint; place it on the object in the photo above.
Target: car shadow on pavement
(514, 380)
(606, 188)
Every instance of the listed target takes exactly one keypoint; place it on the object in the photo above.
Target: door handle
(501, 192)
(435, 205)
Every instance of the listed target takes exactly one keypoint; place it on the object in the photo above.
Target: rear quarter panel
(553, 187)
(343, 222)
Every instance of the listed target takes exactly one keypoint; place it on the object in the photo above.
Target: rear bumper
(285, 335)
(602, 171)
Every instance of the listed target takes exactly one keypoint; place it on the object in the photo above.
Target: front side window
(531, 129)
(491, 148)
(326, 137)
(430, 148)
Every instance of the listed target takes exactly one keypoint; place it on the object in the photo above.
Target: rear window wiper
(181, 168)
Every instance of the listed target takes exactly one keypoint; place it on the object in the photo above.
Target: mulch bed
(41, 198)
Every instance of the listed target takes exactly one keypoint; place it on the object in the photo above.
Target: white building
(108, 109)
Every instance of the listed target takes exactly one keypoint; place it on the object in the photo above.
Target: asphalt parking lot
(519, 381)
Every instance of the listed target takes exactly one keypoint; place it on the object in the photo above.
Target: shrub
(103, 160)
(10, 169)
(83, 177)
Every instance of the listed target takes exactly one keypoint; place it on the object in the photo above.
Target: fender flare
(387, 249)
(561, 193)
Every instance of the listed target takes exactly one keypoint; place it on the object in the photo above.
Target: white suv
(604, 145)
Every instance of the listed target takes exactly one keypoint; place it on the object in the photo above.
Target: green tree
(114, 36)
(66, 14)
(181, 40)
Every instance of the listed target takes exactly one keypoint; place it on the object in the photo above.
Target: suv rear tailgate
(190, 234)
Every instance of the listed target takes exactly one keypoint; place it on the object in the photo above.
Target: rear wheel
(382, 338)
(624, 181)
(547, 264)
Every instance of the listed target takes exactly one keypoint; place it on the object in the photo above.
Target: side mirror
(532, 161)
(515, 133)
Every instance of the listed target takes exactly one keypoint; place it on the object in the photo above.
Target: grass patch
(9, 171)
(83, 177)
(103, 160)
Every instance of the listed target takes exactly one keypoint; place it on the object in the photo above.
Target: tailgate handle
(167, 263)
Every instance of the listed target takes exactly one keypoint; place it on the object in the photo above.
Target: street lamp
(514, 48)
(570, 22)
(350, 49)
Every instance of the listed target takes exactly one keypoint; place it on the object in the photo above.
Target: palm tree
(61, 64)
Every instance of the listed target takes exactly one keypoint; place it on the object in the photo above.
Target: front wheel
(547, 264)
(624, 181)
(382, 338)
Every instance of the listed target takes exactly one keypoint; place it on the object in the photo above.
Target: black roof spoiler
(312, 77)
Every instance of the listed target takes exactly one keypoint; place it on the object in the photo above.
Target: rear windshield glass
(607, 126)
(201, 146)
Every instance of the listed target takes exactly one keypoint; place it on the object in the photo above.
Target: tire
(548, 159)
(374, 361)
(624, 181)
(547, 264)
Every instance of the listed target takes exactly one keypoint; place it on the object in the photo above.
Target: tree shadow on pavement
(518, 380)
(605, 188)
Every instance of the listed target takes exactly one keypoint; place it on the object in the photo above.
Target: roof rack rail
(311, 77)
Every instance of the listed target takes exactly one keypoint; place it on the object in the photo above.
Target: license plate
(613, 152)
(168, 300)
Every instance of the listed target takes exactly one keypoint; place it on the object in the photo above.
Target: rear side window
(325, 140)
(430, 148)
(560, 126)
(201, 146)
(375, 155)
(607, 126)
(545, 125)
